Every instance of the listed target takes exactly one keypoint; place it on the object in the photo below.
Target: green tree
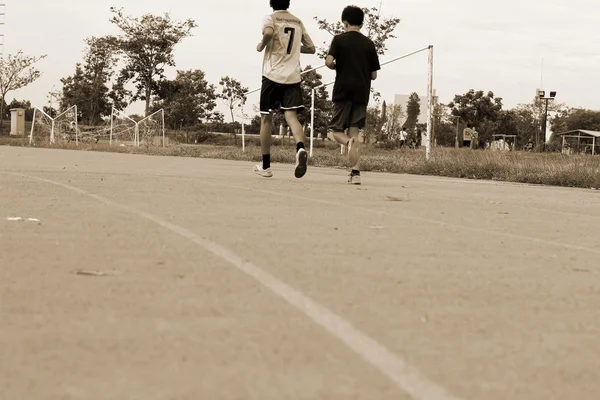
(254, 126)
(379, 29)
(479, 109)
(233, 95)
(529, 118)
(16, 72)
(24, 104)
(147, 45)
(393, 122)
(413, 111)
(88, 86)
(444, 126)
(374, 125)
(570, 119)
(186, 100)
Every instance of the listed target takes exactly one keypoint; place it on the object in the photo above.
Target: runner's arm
(332, 54)
(308, 47)
(267, 37)
(330, 62)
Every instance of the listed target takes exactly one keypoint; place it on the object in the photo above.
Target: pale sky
(478, 44)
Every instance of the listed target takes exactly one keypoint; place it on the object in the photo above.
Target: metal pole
(312, 122)
(429, 103)
(52, 133)
(593, 145)
(544, 126)
(32, 126)
(76, 128)
(243, 137)
(456, 138)
(112, 110)
(163, 127)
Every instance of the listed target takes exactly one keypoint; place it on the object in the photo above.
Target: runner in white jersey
(284, 39)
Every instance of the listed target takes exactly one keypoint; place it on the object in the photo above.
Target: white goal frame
(162, 112)
(136, 140)
(114, 111)
(52, 138)
(429, 100)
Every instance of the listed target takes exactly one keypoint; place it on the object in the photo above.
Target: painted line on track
(395, 368)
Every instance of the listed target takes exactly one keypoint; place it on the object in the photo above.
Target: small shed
(17, 121)
(580, 141)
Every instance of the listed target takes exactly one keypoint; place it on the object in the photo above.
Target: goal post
(151, 127)
(45, 120)
(429, 99)
(63, 127)
(122, 127)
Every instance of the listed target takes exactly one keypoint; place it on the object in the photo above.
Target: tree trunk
(2, 113)
(148, 94)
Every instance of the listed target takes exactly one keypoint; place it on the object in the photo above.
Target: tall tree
(24, 104)
(479, 109)
(88, 86)
(393, 121)
(379, 29)
(576, 118)
(413, 111)
(147, 44)
(16, 72)
(186, 100)
(374, 125)
(233, 94)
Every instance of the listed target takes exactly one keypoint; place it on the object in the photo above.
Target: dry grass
(581, 171)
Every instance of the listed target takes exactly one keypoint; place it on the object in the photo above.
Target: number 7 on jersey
(292, 33)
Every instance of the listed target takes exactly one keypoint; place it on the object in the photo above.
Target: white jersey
(281, 62)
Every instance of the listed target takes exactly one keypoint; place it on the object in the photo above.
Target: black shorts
(276, 96)
(347, 114)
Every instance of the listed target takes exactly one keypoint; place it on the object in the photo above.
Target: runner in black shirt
(356, 62)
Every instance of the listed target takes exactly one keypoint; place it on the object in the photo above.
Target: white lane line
(412, 218)
(403, 375)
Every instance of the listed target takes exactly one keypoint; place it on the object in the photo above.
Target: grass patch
(582, 171)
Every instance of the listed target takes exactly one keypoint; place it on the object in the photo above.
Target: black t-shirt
(355, 59)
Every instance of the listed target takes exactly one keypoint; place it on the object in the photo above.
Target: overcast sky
(479, 44)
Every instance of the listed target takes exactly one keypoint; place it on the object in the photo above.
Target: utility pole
(2, 19)
(541, 94)
(458, 118)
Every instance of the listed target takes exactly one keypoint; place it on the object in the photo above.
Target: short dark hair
(353, 15)
(280, 5)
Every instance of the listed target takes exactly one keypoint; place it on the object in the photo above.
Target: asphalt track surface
(179, 278)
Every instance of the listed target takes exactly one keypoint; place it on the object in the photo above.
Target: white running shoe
(301, 163)
(352, 152)
(354, 179)
(266, 173)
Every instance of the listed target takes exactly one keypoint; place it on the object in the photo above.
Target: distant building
(402, 99)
